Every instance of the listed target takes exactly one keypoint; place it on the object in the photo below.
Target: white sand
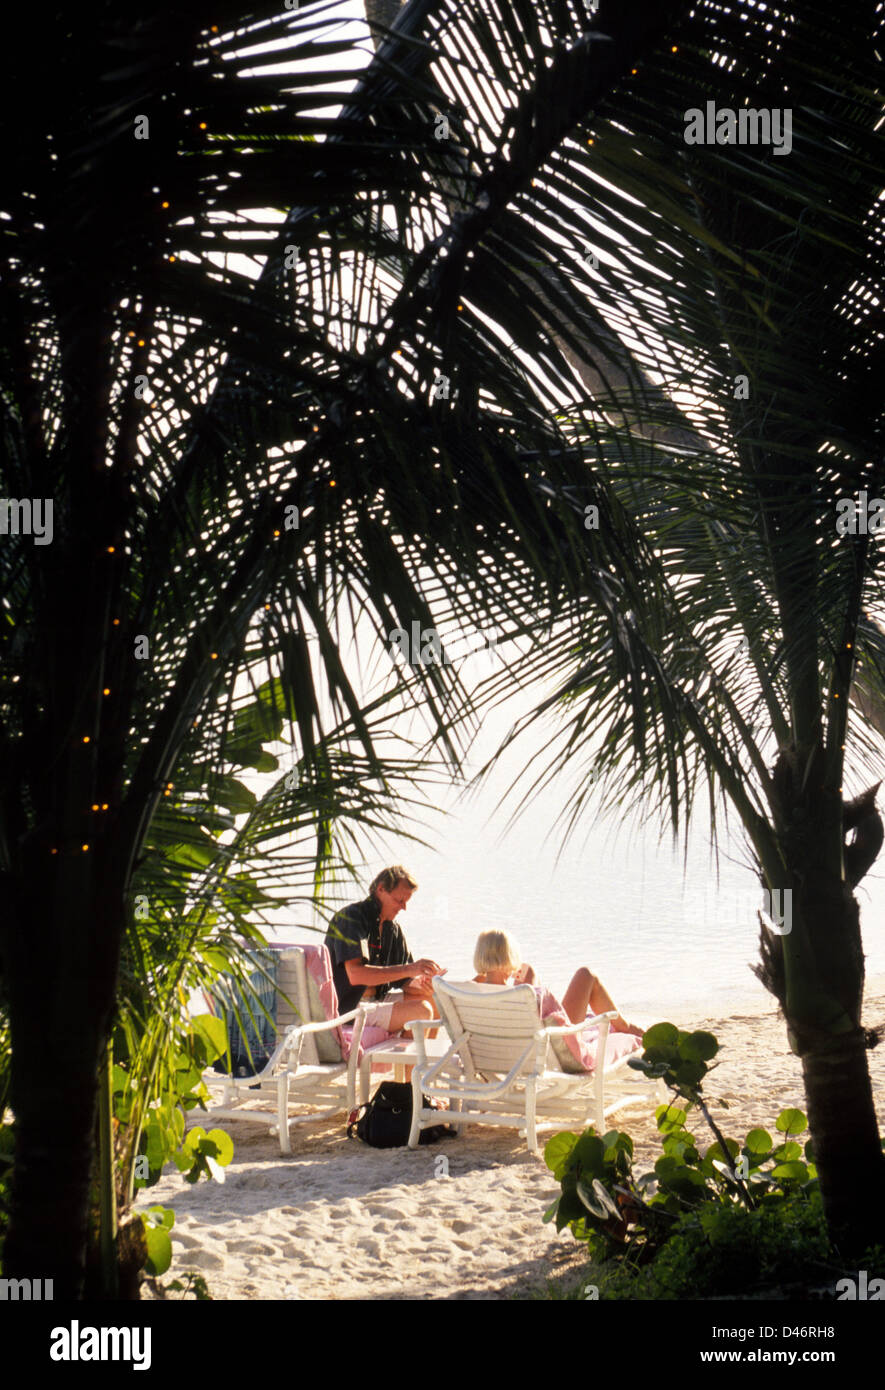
(336, 1219)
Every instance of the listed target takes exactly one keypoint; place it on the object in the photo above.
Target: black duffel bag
(385, 1122)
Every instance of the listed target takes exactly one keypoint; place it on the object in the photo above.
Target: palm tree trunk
(847, 1149)
(49, 1212)
(819, 979)
(62, 966)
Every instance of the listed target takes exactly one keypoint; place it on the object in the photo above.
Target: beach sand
(336, 1219)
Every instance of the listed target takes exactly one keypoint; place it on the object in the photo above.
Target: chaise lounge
(517, 1071)
(315, 1054)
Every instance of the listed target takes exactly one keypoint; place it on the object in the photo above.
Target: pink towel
(319, 966)
(371, 1037)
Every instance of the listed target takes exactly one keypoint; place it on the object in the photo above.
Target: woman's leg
(587, 994)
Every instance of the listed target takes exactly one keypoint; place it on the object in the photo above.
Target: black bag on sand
(385, 1122)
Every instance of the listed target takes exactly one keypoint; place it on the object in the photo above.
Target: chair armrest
(323, 1024)
(294, 1036)
(563, 1030)
(293, 1039)
(418, 1027)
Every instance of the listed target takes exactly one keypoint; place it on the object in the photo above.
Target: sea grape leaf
(698, 1046)
(557, 1152)
(663, 1035)
(791, 1122)
(758, 1141)
(159, 1250)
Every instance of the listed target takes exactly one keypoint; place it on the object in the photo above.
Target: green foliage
(158, 1222)
(204, 1153)
(692, 1190)
(152, 1117)
(196, 1284)
(591, 1170)
(678, 1058)
(5, 1060)
(726, 1249)
(160, 1053)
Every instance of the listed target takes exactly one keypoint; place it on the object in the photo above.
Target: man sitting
(369, 955)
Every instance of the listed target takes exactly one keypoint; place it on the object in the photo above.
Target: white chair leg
(283, 1112)
(365, 1078)
(417, 1098)
(351, 1088)
(531, 1136)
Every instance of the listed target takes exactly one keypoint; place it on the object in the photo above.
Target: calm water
(667, 934)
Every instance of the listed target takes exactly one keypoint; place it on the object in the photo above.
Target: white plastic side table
(399, 1053)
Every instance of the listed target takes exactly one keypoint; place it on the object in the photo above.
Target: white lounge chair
(307, 1065)
(510, 1072)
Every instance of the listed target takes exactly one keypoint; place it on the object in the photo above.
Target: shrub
(721, 1219)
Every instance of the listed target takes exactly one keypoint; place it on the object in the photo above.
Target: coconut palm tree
(232, 448)
(746, 278)
(730, 358)
(213, 415)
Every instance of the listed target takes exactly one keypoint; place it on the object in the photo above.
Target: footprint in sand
(306, 1233)
(289, 1250)
(372, 1247)
(205, 1259)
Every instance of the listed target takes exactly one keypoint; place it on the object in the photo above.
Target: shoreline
(748, 1002)
(336, 1219)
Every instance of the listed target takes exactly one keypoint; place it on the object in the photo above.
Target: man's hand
(425, 967)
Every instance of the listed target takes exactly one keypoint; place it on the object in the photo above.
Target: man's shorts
(379, 1014)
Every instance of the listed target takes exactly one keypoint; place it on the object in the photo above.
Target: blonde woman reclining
(497, 961)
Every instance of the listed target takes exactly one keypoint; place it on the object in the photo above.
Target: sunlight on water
(669, 933)
(665, 938)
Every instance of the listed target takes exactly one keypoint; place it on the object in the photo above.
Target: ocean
(671, 930)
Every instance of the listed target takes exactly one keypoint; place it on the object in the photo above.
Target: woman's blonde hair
(495, 950)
